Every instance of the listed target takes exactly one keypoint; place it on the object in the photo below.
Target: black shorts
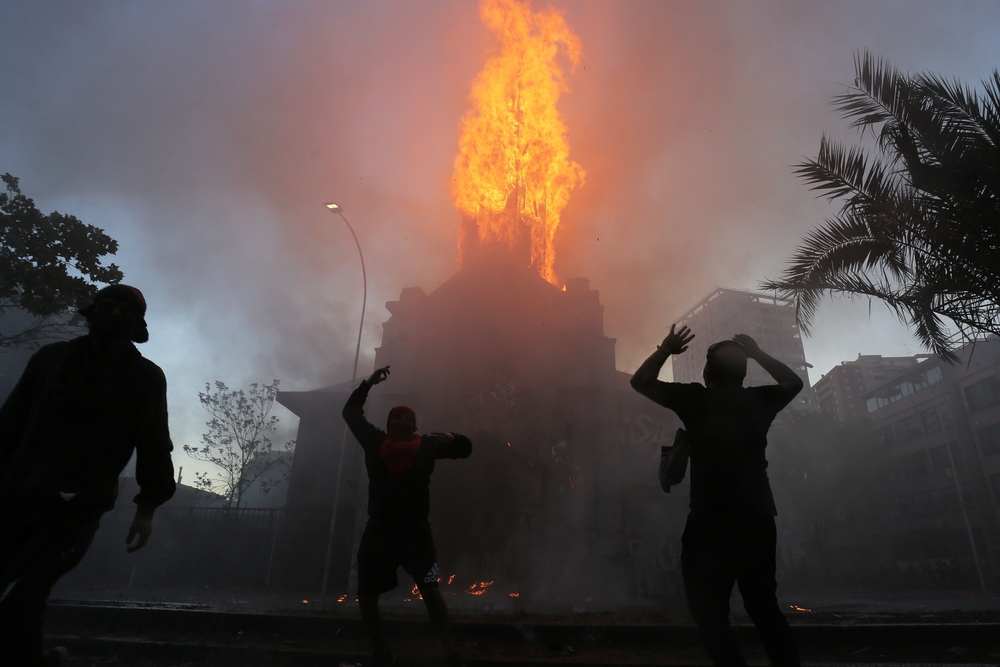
(384, 550)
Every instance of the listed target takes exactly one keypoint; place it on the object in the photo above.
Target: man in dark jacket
(79, 411)
(730, 534)
(398, 533)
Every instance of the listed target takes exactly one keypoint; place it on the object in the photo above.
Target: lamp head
(334, 207)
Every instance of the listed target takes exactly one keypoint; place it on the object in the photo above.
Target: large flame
(513, 175)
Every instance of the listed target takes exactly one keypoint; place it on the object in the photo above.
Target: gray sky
(206, 136)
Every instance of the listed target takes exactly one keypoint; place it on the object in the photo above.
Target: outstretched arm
(354, 410)
(452, 446)
(786, 378)
(645, 379)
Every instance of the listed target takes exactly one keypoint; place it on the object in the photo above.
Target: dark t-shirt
(74, 419)
(402, 499)
(728, 431)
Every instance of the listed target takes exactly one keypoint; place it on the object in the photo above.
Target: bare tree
(238, 442)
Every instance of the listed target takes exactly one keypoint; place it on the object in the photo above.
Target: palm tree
(919, 228)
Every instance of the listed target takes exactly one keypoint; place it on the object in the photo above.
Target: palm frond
(847, 172)
(919, 227)
(879, 95)
(977, 117)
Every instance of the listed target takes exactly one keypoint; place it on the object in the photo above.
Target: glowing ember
(513, 175)
(416, 591)
(572, 484)
(342, 598)
(451, 579)
(514, 595)
(799, 608)
(305, 602)
(478, 588)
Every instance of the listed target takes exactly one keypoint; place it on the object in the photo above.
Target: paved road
(160, 636)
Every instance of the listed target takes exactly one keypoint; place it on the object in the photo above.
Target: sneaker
(55, 657)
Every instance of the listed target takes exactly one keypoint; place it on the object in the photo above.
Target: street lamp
(336, 208)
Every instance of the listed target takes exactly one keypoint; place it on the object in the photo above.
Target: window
(949, 499)
(983, 394)
(989, 440)
(915, 465)
(885, 437)
(920, 503)
(947, 421)
(909, 428)
(935, 505)
(939, 458)
(931, 420)
(911, 385)
(928, 502)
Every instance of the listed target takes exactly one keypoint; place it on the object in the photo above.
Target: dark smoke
(206, 137)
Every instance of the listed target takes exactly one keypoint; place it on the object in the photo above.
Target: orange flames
(513, 175)
(478, 588)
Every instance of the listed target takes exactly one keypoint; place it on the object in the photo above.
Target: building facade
(560, 498)
(726, 312)
(839, 393)
(938, 456)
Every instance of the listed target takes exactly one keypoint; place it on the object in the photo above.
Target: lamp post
(336, 208)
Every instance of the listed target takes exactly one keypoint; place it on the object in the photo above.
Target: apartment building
(939, 459)
(839, 392)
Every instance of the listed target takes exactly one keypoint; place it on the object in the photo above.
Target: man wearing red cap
(79, 411)
(398, 533)
(730, 533)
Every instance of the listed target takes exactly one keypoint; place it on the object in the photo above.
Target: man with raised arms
(398, 534)
(730, 533)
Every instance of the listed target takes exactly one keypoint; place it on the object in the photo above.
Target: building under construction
(725, 312)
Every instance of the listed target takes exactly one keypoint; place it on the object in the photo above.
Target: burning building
(560, 497)
(562, 483)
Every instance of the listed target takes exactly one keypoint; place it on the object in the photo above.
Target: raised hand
(749, 345)
(379, 375)
(676, 341)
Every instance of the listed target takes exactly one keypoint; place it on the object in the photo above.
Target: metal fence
(209, 547)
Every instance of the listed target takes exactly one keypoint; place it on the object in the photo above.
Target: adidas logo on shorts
(431, 576)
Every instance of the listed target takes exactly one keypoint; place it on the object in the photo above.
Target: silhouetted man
(66, 432)
(398, 533)
(730, 534)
